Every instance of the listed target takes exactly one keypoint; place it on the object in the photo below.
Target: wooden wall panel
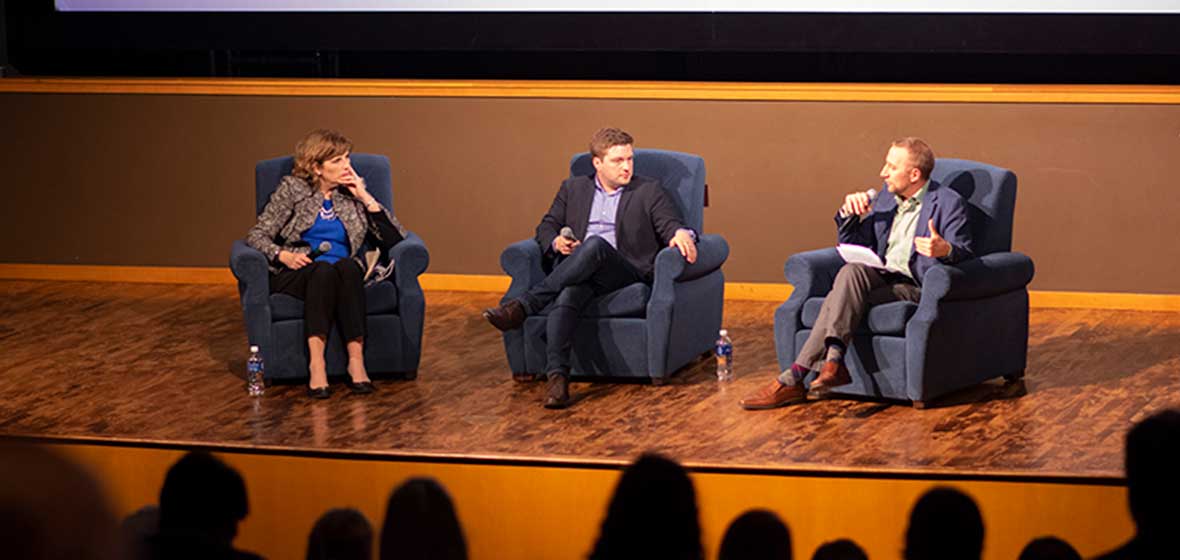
(166, 180)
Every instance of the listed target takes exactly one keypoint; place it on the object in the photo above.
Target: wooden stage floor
(162, 365)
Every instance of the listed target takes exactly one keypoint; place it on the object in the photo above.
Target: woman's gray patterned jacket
(293, 208)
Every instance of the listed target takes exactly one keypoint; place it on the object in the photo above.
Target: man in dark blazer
(601, 233)
(916, 225)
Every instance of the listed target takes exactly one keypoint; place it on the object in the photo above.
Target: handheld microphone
(568, 233)
(853, 219)
(324, 247)
(872, 194)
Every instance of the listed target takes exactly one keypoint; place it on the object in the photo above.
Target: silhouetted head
(52, 509)
(202, 495)
(653, 514)
(341, 534)
(420, 523)
(842, 549)
(756, 534)
(1049, 548)
(138, 528)
(1153, 489)
(944, 525)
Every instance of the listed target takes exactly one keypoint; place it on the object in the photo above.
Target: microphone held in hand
(872, 194)
(568, 233)
(324, 247)
(852, 219)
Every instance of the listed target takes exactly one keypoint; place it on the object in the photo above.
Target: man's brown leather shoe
(557, 391)
(508, 316)
(774, 395)
(832, 374)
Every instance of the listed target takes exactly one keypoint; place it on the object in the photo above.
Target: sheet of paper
(859, 254)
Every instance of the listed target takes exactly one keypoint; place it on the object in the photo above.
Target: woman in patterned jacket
(314, 232)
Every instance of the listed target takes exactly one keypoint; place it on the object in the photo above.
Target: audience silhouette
(653, 514)
(842, 549)
(52, 509)
(420, 523)
(1152, 462)
(1049, 548)
(945, 524)
(757, 534)
(201, 503)
(138, 528)
(341, 534)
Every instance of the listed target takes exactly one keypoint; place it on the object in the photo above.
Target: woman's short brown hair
(317, 147)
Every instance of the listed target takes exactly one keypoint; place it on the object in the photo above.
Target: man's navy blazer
(943, 204)
(646, 220)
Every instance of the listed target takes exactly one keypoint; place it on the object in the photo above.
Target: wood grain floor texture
(164, 364)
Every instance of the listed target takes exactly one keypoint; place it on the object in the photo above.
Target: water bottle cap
(253, 348)
(724, 332)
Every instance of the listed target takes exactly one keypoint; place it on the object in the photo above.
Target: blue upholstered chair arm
(712, 251)
(522, 262)
(410, 259)
(985, 276)
(812, 273)
(250, 268)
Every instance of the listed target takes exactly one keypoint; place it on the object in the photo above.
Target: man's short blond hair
(921, 156)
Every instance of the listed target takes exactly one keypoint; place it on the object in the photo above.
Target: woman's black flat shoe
(362, 388)
(321, 393)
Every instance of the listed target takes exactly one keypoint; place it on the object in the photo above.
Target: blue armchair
(395, 307)
(970, 325)
(638, 330)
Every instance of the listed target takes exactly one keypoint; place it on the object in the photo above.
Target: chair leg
(920, 405)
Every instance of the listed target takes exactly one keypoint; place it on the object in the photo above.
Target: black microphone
(324, 247)
(852, 219)
(568, 233)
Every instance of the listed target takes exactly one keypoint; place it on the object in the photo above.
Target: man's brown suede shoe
(557, 391)
(774, 395)
(508, 316)
(832, 374)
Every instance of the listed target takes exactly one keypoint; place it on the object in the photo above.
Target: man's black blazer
(646, 221)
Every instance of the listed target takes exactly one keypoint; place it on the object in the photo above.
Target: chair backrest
(991, 195)
(373, 167)
(681, 174)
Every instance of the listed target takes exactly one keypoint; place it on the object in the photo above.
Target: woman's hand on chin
(356, 186)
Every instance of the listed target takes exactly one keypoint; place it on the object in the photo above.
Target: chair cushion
(889, 318)
(628, 301)
(380, 299)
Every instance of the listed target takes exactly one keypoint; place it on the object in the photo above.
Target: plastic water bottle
(724, 350)
(255, 382)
